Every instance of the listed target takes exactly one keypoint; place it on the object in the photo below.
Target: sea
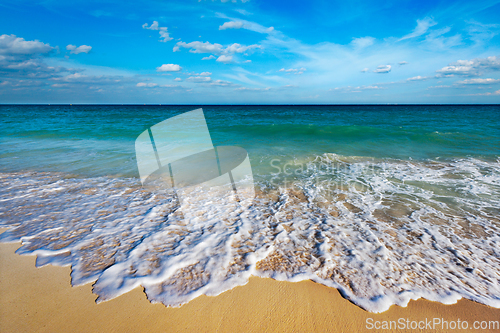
(386, 203)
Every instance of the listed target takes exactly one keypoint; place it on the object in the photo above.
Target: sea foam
(381, 231)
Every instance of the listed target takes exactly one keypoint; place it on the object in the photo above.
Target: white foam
(382, 232)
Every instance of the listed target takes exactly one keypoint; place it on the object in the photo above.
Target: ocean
(384, 203)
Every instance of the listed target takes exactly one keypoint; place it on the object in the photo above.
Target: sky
(249, 52)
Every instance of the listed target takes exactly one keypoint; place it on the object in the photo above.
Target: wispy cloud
(495, 93)
(482, 33)
(222, 83)
(248, 25)
(418, 78)
(297, 71)
(421, 28)
(231, 25)
(436, 39)
(147, 84)
(479, 81)
(357, 89)
(362, 42)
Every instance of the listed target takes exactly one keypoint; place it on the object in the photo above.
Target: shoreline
(42, 300)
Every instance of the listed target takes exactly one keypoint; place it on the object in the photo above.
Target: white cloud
(362, 42)
(231, 25)
(421, 28)
(253, 89)
(440, 86)
(225, 59)
(238, 48)
(164, 35)
(74, 76)
(79, 49)
(292, 70)
(222, 83)
(350, 89)
(199, 79)
(479, 81)
(10, 44)
(492, 63)
(461, 67)
(177, 79)
(252, 26)
(383, 69)
(206, 47)
(364, 70)
(59, 85)
(470, 67)
(148, 85)
(297, 71)
(208, 58)
(200, 47)
(417, 78)
(169, 68)
(154, 26)
(401, 63)
(205, 74)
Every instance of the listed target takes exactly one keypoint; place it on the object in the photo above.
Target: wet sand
(42, 300)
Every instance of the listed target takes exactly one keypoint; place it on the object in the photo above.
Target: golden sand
(42, 300)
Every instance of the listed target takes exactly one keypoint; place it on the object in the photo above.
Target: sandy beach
(42, 300)
(249, 166)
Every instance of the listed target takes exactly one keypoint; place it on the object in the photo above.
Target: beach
(356, 218)
(249, 166)
(42, 300)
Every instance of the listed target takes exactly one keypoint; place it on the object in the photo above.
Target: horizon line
(319, 104)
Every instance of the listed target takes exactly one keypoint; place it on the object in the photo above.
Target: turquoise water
(385, 203)
(99, 140)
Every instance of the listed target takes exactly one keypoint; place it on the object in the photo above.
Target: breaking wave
(381, 231)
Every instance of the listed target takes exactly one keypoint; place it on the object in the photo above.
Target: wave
(382, 232)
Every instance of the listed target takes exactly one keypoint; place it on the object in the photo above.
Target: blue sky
(249, 52)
